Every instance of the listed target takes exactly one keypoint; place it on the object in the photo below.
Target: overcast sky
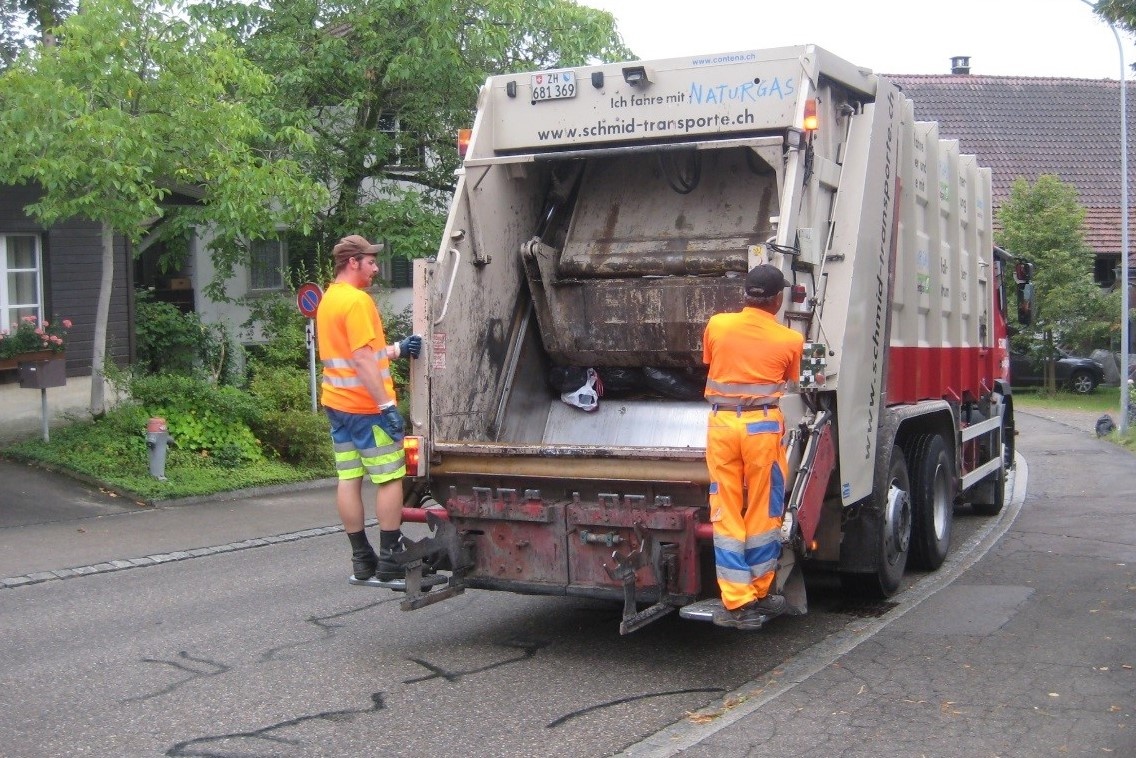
(1061, 38)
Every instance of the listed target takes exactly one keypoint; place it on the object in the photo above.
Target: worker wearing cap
(358, 395)
(752, 360)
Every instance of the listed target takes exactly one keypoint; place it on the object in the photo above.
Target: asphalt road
(264, 650)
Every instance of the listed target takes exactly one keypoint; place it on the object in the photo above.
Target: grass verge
(1106, 400)
(117, 458)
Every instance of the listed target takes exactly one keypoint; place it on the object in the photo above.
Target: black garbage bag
(619, 381)
(672, 383)
(563, 379)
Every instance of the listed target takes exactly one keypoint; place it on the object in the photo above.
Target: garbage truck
(602, 214)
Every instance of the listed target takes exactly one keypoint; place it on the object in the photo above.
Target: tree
(1042, 223)
(26, 21)
(134, 101)
(1120, 12)
(383, 87)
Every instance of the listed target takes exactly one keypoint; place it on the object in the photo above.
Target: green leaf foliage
(382, 88)
(1042, 223)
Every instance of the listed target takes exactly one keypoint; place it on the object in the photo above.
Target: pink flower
(66, 323)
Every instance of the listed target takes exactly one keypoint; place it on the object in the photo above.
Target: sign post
(308, 298)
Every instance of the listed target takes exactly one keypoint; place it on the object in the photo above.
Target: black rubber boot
(386, 569)
(363, 558)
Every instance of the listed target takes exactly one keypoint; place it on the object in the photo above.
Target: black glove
(411, 346)
(391, 422)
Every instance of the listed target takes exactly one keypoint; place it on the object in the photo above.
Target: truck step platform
(399, 585)
(702, 610)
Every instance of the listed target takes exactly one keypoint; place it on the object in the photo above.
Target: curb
(107, 567)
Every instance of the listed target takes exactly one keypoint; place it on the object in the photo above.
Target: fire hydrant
(157, 437)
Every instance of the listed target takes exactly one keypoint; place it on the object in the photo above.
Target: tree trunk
(102, 316)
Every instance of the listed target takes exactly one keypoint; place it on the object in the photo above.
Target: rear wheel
(1082, 382)
(932, 501)
(892, 512)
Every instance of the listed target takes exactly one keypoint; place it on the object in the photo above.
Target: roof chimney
(960, 64)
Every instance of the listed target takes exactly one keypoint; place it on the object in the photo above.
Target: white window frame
(281, 268)
(391, 125)
(7, 307)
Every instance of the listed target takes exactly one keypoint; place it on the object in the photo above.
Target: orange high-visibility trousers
(747, 499)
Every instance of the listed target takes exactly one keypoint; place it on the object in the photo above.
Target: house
(1026, 127)
(56, 272)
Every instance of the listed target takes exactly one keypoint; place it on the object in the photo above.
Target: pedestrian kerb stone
(17, 581)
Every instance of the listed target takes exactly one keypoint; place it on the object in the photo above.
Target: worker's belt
(763, 404)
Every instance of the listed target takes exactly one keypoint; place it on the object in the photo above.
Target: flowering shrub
(29, 335)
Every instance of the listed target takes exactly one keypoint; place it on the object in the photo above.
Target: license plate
(553, 85)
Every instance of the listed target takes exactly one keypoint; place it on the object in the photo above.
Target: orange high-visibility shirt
(751, 356)
(347, 320)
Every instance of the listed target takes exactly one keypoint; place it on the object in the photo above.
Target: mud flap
(790, 582)
(661, 558)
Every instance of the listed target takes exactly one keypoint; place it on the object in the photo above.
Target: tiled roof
(1026, 127)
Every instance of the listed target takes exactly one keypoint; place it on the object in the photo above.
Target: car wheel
(1082, 382)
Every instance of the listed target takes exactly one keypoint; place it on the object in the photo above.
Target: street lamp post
(1124, 357)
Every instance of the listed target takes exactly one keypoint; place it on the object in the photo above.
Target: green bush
(286, 426)
(172, 342)
(201, 416)
(277, 319)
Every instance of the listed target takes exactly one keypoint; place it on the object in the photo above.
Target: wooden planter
(16, 360)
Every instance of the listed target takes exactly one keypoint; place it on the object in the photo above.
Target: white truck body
(603, 214)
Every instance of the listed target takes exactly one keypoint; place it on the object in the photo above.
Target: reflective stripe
(731, 389)
(773, 536)
(379, 452)
(348, 378)
(763, 427)
(737, 576)
(341, 381)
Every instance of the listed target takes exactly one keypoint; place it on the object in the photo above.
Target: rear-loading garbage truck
(601, 216)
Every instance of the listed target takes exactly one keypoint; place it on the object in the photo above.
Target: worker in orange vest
(752, 359)
(358, 395)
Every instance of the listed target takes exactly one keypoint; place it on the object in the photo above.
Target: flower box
(44, 372)
(16, 360)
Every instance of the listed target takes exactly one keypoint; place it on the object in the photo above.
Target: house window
(408, 150)
(21, 291)
(268, 262)
(398, 270)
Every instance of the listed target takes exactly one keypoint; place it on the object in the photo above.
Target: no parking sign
(308, 299)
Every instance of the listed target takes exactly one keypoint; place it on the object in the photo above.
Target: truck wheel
(1082, 382)
(892, 511)
(932, 501)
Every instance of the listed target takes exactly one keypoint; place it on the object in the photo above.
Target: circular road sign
(308, 299)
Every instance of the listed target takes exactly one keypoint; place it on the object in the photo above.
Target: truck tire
(891, 511)
(931, 471)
